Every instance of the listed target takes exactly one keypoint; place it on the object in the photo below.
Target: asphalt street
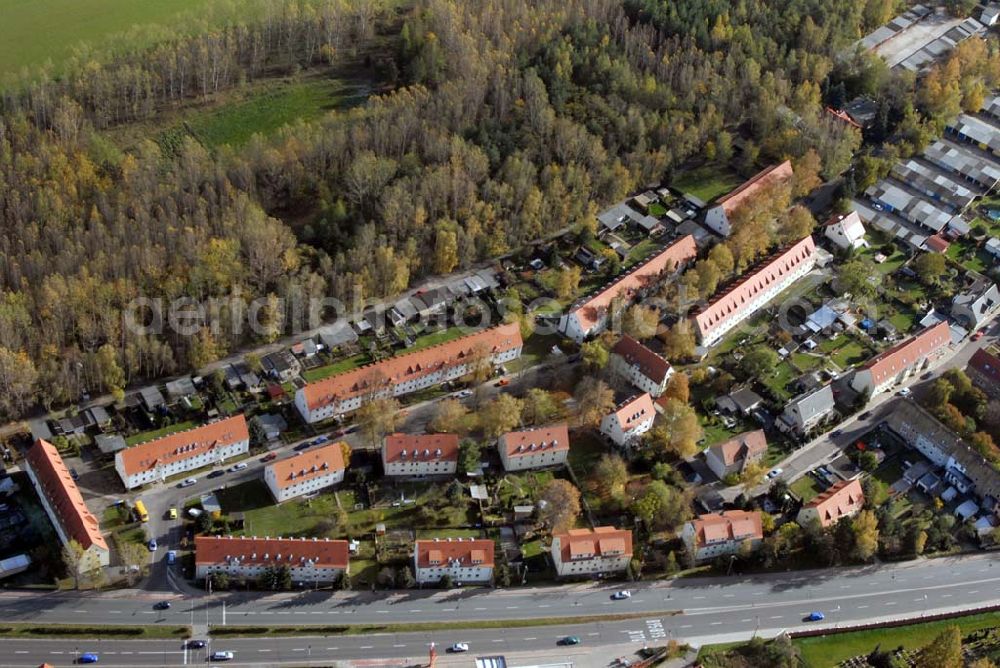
(687, 609)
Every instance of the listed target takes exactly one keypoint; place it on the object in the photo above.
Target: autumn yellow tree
(559, 505)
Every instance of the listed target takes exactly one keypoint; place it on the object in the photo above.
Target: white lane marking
(366, 647)
(746, 620)
(862, 607)
(531, 638)
(698, 597)
(399, 645)
(728, 595)
(684, 626)
(479, 608)
(716, 624)
(80, 612)
(497, 640)
(593, 634)
(263, 650)
(776, 617)
(889, 603)
(512, 607)
(945, 595)
(544, 606)
(382, 612)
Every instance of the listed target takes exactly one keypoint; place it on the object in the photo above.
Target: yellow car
(173, 513)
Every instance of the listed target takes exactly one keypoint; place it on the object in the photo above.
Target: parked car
(196, 644)
(269, 457)
(621, 595)
(463, 394)
(88, 657)
(905, 392)
(503, 382)
(187, 482)
(162, 605)
(459, 647)
(978, 335)
(569, 640)
(321, 439)
(218, 473)
(865, 415)
(171, 557)
(815, 617)
(195, 512)
(237, 467)
(303, 446)
(774, 473)
(172, 513)
(73, 474)
(151, 545)
(222, 656)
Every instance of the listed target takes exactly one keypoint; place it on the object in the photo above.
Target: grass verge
(365, 629)
(21, 630)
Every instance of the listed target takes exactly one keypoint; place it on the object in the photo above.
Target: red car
(978, 335)
(270, 456)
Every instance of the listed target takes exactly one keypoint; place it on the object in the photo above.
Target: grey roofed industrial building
(40, 429)
(700, 234)
(889, 223)
(862, 110)
(618, 215)
(936, 48)
(152, 398)
(676, 216)
(338, 334)
(98, 415)
(976, 131)
(992, 107)
(246, 375)
(402, 311)
(649, 223)
(894, 27)
(935, 184)
(911, 207)
(181, 387)
(109, 444)
(962, 160)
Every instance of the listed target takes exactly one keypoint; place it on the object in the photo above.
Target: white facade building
(641, 366)
(314, 560)
(633, 418)
(587, 552)
(463, 560)
(719, 534)
(305, 472)
(534, 448)
(846, 231)
(420, 455)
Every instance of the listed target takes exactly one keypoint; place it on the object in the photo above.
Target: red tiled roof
(843, 116)
(601, 541)
(650, 364)
(308, 465)
(527, 442)
(590, 310)
(413, 365)
(635, 410)
(907, 353)
(183, 445)
(255, 551)
(987, 364)
(741, 446)
(63, 496)
(474, 552)
(726, 526)
(840, 500)
(773, 174)
(420, 448)
(735, 298)
(937, 243)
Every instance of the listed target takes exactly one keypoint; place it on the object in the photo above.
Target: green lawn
(537, 348)
(657, 209)
(806, 488)
(640, 251)
(829, 651)
(267, 110)
(903, 321)
(779, 380)
(35, 31)
(144, 436)
(850, 353)
(586, 449)
(436, 337)
(969, 255)
(297, 517)
(707, 182)
(321, 372)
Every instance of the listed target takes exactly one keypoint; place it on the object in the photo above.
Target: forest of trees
(509, 121)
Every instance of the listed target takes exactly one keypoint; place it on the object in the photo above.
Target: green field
(35, 31)
(274, 106)
(708, 182)
(144, 436)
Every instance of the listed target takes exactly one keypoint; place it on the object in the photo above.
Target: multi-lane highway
(696, 609)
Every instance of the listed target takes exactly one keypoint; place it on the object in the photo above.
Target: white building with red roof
(640, 366)
(403, 374)
(746, 295)
(902, 360)
(306, 472)
(318, 560)
(64, 504)
(734, 455)
(633, 418)
(534, 448)
(419, 455)
(463, 560)
(843, 499)
(717, 218)
(590, 316)
(157, 460)
(587, 552)
(719, 534)
(846, 231)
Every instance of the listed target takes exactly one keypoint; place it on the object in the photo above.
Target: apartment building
(306, 472)
(808, 410)
(463, 560)
(633, 418)
(734, 455)
(719, 534)
(843, 499)
(749, 293)
(902, 360)
(589, 316)
(419, 455)
(587, 552)
(717, 218)
(315, 560)
(640, 366)
(534, 448)
(64, 504)
(408, 373)
(157, 460)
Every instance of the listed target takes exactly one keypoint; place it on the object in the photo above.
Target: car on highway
(459, 647)
(774, 473)
(171, 557)
(569, 640)
(621, 595)
(162, 605)
(151, 545)
(218, 473)
(815, 617)
(269, 457)
(172, 513)
(222, 656)
(463, 394)
(196, 644)
(187, 482)
(88, 657)
(237, 467)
